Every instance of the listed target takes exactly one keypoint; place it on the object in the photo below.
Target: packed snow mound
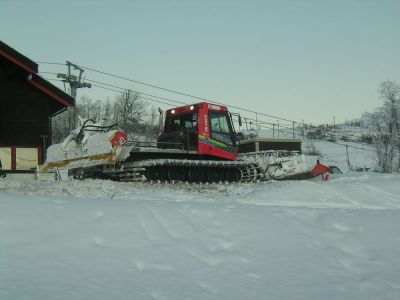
(97, 239)
(309, 193)
(356, 156)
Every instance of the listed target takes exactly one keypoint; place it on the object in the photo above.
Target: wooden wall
(24, 112)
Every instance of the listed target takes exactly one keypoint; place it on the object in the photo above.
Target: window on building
(5, 157)
(26, 158)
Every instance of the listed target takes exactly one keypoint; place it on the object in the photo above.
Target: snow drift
(273, 240)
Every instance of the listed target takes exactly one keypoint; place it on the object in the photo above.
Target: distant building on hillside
(27, 105)
(265, 144)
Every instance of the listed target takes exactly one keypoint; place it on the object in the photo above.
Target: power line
(179, 93)
(175, 92)
(360, 148)
(153, 100)
(184, 94)
(52, 73)
(257, 122)
(51, 63)
(111, 87)
(260, 124)
(107, 88)
(121, 90)
(167, 99)
(162, 98)
(52, 79)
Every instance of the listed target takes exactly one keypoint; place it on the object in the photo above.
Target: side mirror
(240, 121)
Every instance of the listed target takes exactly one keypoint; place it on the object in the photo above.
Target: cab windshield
(221, 127)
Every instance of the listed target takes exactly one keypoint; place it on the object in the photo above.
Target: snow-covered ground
(335, 154)
(91, 239)
(359, 155)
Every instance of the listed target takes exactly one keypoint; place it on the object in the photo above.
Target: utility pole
(75, 82)
(278, 128)
(334, 121)
(160, 122)
(273, 131)
(256, 121)
(293, 129)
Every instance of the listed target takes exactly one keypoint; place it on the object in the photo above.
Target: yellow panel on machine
(87, 147)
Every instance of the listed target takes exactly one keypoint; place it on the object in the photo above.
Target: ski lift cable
(117, 91)
(52, 73)
(359, 148)
(51, 63)
(163, 98)
(172, 91)
(183, 94)
(261, 126)
(124, 89)
(179, 93)
(120, 91)
(258, 122)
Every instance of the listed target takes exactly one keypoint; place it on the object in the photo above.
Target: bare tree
(386, 124)
(107, 112)
(64, 123)
(129, 112)
(152, 125)
(390, 92)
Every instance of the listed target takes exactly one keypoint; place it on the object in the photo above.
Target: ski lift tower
(75, 82)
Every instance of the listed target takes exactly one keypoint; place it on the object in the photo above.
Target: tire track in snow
(162, 224)
(214, 245)
(391, 199)
(148, 227)
(354, 203)
(157, 234)
(341, 238)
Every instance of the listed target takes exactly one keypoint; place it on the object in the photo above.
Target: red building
(27, 105)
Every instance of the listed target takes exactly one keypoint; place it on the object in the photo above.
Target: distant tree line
(385, 123)
(127, 111)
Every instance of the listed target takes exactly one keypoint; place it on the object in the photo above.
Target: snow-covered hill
(358, 155)
(274, 240)
(336, 154)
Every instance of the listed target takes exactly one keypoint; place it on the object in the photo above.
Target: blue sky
(300, 60)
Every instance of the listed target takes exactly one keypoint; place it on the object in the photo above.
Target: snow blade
(319, 169)
(87, 147)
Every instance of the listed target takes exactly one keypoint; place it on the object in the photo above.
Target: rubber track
(135, 171)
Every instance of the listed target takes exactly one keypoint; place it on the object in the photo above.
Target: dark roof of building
(30, 68)
(18, 59)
